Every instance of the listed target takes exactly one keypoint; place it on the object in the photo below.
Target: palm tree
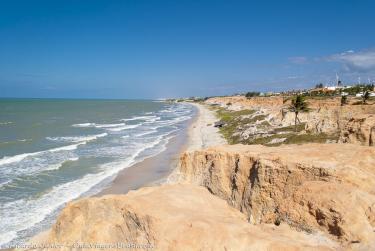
(344, 100)
(365, 97)
(298, 105)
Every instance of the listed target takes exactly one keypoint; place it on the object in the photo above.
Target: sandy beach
(202, 133)
(198, 134)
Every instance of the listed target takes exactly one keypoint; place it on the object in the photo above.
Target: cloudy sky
(153, 49)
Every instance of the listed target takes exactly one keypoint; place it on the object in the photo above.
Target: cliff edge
(324, 187)
(170, 217)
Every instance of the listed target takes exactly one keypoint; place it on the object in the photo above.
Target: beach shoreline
(153, 169)
(202, 133)
(199, 133)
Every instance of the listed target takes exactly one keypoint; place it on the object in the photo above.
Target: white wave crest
(98, 125)
(17, 158)
(146, 118)
(84, 125)
(59, 165)
(76, 139)
(151, 131)
(121, 128)
(108, 125)
(6, 123)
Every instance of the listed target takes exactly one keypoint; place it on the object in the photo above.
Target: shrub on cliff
(365, 97)
(252, 94)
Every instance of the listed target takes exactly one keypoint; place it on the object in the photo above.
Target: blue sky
(153, 49)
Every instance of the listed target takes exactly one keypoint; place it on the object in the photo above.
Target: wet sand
(198, 133)
(153, 170)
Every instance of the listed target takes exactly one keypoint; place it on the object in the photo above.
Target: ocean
(54, 150)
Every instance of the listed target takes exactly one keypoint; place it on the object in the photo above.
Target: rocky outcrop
(353, 124)
(171, 217)
(359, 130)
(325, 187)
(241, 102)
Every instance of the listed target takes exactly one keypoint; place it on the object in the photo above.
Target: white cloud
(294, 77)
(298, 60)
(363, 61)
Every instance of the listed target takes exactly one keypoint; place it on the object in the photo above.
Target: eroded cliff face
(358, 130)
(241, 102)
(172, 217)
(325, 187)
(353, 124)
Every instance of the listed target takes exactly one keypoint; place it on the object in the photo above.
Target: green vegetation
(358, 88)
(226, 115)
(300, 128)
(252, 94)
(292, 138)
(298, 105)
(232, 120)
(236, 122)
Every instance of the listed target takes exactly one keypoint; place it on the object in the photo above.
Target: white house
(360, 94)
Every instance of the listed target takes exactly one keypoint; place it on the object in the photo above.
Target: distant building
(334, 88)
(360, 94)
(321, 90)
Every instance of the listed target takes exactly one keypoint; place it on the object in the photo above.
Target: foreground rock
(314, 187)
(172, 217)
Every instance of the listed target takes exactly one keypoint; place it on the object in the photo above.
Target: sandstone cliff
(358, 130)
(241, 102)
(172, 217)
(350, 123)
(326, 187)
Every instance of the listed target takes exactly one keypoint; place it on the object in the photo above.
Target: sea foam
(76, 139)
(16, 218)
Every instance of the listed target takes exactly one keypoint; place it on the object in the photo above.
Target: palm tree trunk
(371, 140)
(295, 121)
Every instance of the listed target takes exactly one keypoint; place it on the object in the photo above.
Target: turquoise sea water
(53, 151)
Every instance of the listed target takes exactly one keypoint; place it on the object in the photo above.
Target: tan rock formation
(241, 102)
(359, 130)
(172, 217)
(327, 187)
(352, 123)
